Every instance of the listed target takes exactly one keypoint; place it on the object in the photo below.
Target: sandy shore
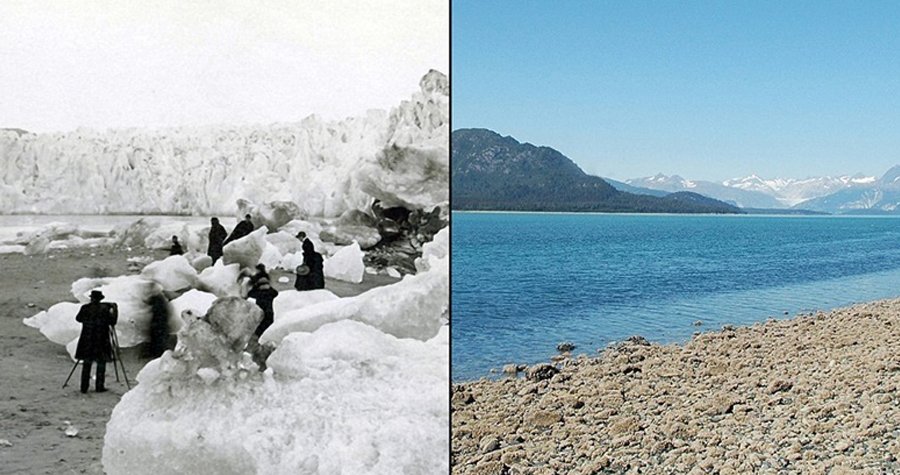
(33, 406)
(814, 394)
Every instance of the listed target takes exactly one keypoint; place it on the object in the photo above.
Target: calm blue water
(524, 282)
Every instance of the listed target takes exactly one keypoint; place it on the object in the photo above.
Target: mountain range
(841, 195)
(492, 172)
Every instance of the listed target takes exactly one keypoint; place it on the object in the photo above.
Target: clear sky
(706, 90)
(101, 64)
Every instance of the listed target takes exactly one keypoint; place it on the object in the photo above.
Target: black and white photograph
(224, 233)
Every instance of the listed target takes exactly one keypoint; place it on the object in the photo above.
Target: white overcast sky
(103, 64)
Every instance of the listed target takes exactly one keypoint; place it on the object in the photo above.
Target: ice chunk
(364, 399)
(57, 323)
(37, 245)
(273, 215)
(247, 250)
(365, 236)
(438, 248)
(290, 300)
(346, 264)
(160, 237)
(311, 228)
(134, 234)
(220, 279)
(12, 249)
(415, 307)
(173, 273)
(286, 243)
(201, 262)
(235, 318)
(270, 256)
(131, 293)
(194, 300)
(290, 261)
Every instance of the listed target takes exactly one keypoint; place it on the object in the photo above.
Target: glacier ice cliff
(326, 168)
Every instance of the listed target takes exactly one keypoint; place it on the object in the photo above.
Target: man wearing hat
(97, 319)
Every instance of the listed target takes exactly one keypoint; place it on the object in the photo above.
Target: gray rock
(565, 346)
(489, 443)
(541, 372)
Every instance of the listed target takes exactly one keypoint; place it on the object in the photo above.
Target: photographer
(97, 319)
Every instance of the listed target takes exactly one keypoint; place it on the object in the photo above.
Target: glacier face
(326, 168)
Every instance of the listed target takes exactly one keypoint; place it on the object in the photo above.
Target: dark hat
(97, 295)
(302, 270)
(301, 235)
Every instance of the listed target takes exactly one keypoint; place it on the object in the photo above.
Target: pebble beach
(818, 393)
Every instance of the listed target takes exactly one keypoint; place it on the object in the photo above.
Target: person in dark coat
(176, 249)
(217, 235)
(97, 319)
(265, 296)
(310, 275)
(261, 273)
(242, 229)
(159, 326)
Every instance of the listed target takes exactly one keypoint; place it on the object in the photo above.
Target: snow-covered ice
(289, 300)
(195, 300)
(173, 273)
(415, 307)
(346, 398)
(220, 279)
(247, 250)
(57, 323)
(346, 264)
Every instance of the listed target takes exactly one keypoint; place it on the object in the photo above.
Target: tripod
(117, 360)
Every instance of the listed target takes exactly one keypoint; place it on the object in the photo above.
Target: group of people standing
(99, 318)
(310, 274)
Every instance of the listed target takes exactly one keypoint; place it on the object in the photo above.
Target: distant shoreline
(744, 215)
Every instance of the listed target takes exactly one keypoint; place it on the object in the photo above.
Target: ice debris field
(335, 385)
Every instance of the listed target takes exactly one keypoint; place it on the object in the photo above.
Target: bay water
(523, 282)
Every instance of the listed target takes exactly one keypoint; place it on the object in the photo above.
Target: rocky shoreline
(819, 393)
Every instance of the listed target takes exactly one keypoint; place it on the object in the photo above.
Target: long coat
(242, 229)
(264, 299)
(217, 235)
(316, 277)
(96, 319)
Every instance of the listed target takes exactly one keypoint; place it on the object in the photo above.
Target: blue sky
(706, 90)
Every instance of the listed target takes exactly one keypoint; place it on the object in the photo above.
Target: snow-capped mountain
(756, 192)
(862, 196)
(737, 196)
(400, 157)
(791, 191)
